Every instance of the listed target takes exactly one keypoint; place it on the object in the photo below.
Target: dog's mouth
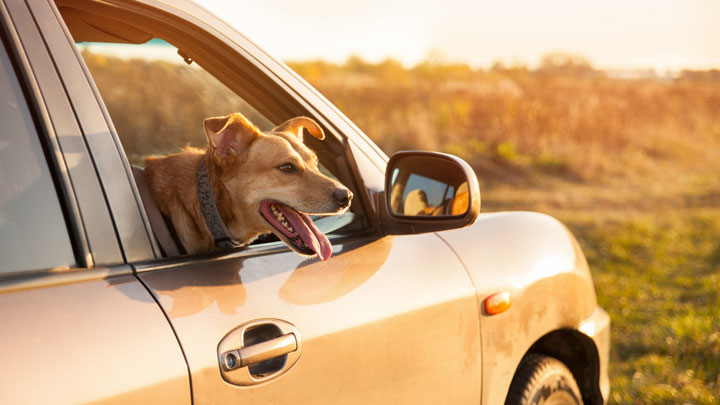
(296, 229)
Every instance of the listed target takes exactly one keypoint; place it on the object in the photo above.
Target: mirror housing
(433, 171)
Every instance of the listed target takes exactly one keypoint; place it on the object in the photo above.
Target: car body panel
(379, 323)
(101, 340)
(537, 260)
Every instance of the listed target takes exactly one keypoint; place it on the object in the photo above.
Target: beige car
(424, 300)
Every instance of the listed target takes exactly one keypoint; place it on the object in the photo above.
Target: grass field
(632, 166)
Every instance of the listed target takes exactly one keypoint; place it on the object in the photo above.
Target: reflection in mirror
(425, 186)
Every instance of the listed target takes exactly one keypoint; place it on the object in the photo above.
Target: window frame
(107, 156)
(287, 99)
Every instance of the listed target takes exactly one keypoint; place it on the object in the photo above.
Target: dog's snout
(342, 196)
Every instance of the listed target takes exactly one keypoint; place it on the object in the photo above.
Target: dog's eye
(287, 168)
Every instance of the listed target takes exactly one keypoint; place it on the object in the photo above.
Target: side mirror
(428, 192)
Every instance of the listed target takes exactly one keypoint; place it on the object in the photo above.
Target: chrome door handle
(258, 352)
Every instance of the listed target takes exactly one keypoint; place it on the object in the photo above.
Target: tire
(543, 380)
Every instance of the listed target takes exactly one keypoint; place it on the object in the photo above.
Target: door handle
(258, 352)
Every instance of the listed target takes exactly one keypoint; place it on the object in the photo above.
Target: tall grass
(564, 118)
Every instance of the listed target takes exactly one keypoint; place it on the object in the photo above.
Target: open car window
(158, 102)
(158, 98)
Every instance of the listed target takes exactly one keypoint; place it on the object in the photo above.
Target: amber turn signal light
(497, 303)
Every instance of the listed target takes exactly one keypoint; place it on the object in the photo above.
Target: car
(437, 304)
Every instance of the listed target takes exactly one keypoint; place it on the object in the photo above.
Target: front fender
(535, 258)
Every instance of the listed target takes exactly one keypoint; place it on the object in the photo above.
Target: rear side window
(33, 232)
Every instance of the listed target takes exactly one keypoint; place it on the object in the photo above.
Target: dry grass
(562, 119)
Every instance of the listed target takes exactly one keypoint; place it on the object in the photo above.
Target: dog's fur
(246, 167)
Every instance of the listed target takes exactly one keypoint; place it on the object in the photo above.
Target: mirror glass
(426, 186)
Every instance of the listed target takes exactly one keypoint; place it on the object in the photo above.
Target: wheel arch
(579, 353)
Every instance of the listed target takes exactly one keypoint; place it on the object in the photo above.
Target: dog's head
(273, 181)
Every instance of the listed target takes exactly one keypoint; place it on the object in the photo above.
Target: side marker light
(497, 303)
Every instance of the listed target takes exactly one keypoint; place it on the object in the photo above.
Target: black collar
(223, 238)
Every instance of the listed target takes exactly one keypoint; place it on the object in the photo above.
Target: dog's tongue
(309, 233)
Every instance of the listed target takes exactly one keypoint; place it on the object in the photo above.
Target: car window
(158, 102)
(33, 232)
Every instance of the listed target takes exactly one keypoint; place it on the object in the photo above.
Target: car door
(385, 319)
(76, 325)
(376, 323)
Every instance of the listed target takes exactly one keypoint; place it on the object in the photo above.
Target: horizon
(615, 36)
(158, 49)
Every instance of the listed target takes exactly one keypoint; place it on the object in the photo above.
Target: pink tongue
(309, 233)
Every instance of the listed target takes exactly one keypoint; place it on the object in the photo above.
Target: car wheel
(543, 380)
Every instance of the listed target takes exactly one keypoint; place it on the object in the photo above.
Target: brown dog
(262, 182)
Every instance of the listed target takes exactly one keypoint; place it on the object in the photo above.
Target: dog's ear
(295, 125)
(230, 135)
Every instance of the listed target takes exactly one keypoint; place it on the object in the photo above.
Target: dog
(261, 182)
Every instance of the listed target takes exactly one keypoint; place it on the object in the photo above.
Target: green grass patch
(506, 151)
(658, 276)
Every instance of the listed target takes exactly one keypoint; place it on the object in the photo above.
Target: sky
(612, 34)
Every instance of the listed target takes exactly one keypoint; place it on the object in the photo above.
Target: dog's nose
(342, 196)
